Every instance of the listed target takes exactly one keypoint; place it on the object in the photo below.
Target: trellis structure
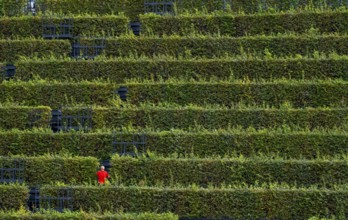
(87, 48)
(12, 171)
(132, 147)
(57, 28)
(81, 119)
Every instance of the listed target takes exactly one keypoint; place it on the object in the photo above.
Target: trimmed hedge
(83, 215)
(24, 117)
(12, 49)
(241, 25)
(55, 94)
(186, 118)
(118, 70)
(13, 197)
(297, 93)
(48, 169)
(212, 47)
(203, 144)
(205, 172)
(32, 26)
(274, 203)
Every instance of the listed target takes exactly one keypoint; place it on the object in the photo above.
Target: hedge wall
(274, 203)
(13, 197)
(118, 70)
(84, 215)
(212, 47)
(55, 94)
(205, 172)
(288, 144)
(12, 49)
(24, 117)
(186, 118)
(241, 25)
(32, 26)
(298, 93)
(134, 7)
(42, 170)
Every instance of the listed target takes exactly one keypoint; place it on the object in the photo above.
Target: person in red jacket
(102, 175)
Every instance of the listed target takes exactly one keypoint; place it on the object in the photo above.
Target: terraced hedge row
(241, 25)
(204, 172)
(297, 93)
(32, 26)
(118, 70)
(24, 117)
(185, 118)
(134, 7)
(280, 203)
(202, 46)
(84, 215)
(211, 47)
(13, 197)
(42, 170)
(11, 50)
(285, 144)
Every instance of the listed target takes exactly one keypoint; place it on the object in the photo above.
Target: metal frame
(82, 50)
(60, 202)
(81, 121)
(122, 93)
(8, 71)
(124, 148)
(61, 30)
(12, 172)
(159, 7)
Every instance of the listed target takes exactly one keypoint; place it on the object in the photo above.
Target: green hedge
(205, 172)
(12, 49)
(32, 26)
(285, 143)
(55, 94)
(42, 170)
(298, 93)
(241, 25)
(212, 47)
(13, 197)
(274, 203)
(186, 118)
(118, 70)
(84, 215)
(24, 117)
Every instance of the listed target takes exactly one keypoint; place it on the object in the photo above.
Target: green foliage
(48, 169)
(11, 50)
(24, 117)
(12, 8)
(32, 26)
(217, 118)
(297, 93)
(13, 197)
(42, 215)
(227, 171)
(283, 142)
(241, 25)
(120, 69)
(280, 202)
(211, 47)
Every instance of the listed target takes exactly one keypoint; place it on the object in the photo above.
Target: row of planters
(282, 142)
(120, 70)
(188, 47)
(297, 94)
